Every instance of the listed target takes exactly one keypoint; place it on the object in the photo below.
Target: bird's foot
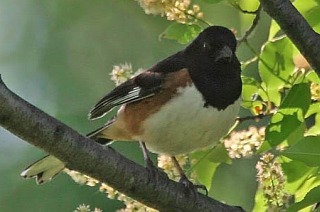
(191, 186)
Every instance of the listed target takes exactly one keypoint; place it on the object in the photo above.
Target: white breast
(184, 124)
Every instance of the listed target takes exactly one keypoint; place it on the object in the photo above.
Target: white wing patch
(133, 94)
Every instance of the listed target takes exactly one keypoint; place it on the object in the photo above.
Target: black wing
(140, 87)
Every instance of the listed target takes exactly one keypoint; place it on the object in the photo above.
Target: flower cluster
(272, 180)
(181, 11)
(244, 143)
(131, 204)
(121, 73)
(165, 163)
(81, 178)
(86, 208)
(315, 91)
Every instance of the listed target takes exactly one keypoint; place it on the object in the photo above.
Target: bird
(184, 103)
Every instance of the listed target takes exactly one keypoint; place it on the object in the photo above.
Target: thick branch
(297, 29)
(103, 163)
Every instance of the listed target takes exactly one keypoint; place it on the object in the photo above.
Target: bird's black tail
(94, 135)
(49, 166)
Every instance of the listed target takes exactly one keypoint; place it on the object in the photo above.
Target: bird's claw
(191, 186)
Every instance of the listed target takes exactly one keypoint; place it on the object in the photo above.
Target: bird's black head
(214, 67)
(216, 42)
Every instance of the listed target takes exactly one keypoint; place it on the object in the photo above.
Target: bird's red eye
(206, 46)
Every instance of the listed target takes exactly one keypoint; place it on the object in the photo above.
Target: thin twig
(237, 6)
(252, 27)
(256, 117)
(249, 61)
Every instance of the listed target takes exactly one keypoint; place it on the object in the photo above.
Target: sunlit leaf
(204, 168)
(297, 173)
(250, 81)
(315, 129)
(183, 33)
(273, 95)
(274, 29)
(250, 87)
(288, 123)
(260, 202)
(294, 170)
(312, 76)
(314, 108)
(306, 150)
(312, 197)
(305, 6)
(298, 97)
(313, 16)
(276, 65)
(310, 11)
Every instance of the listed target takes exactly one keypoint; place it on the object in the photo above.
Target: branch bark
(103, 163)
(297, 29)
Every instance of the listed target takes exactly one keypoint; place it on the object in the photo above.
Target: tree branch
(297, 29)
(102, 163)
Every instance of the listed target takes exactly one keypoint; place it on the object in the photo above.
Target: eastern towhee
(185, 102)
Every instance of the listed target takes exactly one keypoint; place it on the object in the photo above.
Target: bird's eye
(206, 46)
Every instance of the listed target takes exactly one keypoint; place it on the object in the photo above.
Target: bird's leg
(184, 180)
(149, 164)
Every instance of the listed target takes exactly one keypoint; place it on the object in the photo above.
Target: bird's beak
(224, 54)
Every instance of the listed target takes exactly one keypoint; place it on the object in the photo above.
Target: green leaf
(250, 87)
(298, 97)
(273, 96)
(250, 81)
(305, 6)
(204, 168)
(288, 123)
(260, 202)
(294, 170)
(265, 146)
(307, 150)
(218, 154)
(289, 129)
(298, 173)
(183, 33)
(274, 29)
(276, 65)
(227, 189)
(310, 11)
(315, 129)
(314, 108)
(312, 76)
(312, 197)
(312, 16)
